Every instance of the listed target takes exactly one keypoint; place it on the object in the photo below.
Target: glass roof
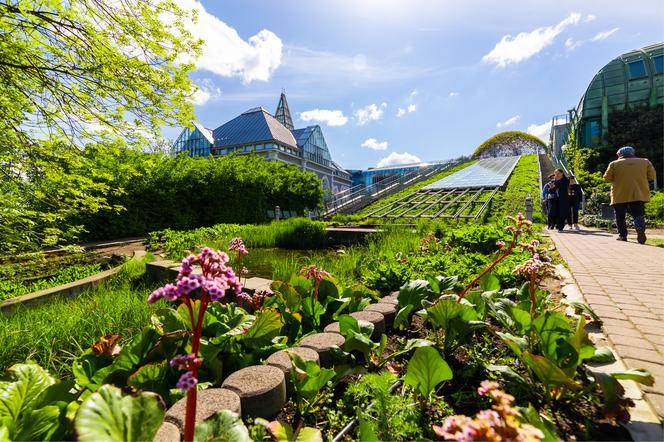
(489, 172)
(253, 126)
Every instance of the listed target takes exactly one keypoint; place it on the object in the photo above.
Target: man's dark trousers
(634, 208)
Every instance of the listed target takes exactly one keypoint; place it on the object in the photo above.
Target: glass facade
(192, 141)
(312, 141)
(637, 69)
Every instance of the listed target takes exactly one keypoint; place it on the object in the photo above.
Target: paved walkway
(623, 282)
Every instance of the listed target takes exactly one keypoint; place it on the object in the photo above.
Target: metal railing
(360, 196)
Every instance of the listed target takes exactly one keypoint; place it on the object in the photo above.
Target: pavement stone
(628, 299)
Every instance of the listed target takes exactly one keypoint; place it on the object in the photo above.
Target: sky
(393, 82)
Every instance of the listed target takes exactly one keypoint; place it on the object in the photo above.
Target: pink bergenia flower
(187, 381)
(314, 273)
(238, 245)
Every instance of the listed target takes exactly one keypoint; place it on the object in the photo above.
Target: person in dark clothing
(551, 198)
(575, 196)
(561, 185)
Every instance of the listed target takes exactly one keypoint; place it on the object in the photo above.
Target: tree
(75, 72)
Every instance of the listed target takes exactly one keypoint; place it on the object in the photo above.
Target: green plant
(108, 415)
(458, 320)
(223, 425)
(426, 370)
(393, 416)
(283, 432)
(655, 208)
(33, 406)
(308, 379)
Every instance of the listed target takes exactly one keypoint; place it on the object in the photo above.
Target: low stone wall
(264, 389)
(70, 290)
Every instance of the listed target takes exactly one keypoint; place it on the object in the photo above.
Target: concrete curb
(66, 290)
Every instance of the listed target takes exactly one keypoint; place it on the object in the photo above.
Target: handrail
(369, 194)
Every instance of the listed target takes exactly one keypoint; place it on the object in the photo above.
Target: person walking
(551, 197)
(561, 185)
(575, 196)
(630, 191)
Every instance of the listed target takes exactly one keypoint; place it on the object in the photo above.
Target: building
(634, 79)
(274, 137)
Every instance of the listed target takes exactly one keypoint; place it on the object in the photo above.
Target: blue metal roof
(253, 126)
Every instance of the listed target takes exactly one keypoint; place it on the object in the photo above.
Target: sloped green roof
(511, 143)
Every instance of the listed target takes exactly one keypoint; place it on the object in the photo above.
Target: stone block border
(66, 290)
(262, 389)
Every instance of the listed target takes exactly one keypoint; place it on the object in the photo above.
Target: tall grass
(54, 334)
(294, 233)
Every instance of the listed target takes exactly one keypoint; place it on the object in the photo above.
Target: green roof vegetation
(508, 144)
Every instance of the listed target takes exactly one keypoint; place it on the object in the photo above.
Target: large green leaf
(530, 416)
(603, 355)
(267, 325)
(150, 377)
(167, 320)
(21, 389)
(107, 415)
(426, 369)
(547, 371)
(413, 293)
(517, 344)
(447, 308)
(367, 433)
(283, 432)
(222, 426)
(489, 282)
(402, 316)
(308, 377)
(440, 284)
(39, 424)
(635, 374)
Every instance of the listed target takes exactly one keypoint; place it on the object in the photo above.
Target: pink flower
(187, 381)
(238, 245)
(186, 362)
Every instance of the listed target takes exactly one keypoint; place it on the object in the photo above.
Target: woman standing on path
(561, 185)
(575, 195)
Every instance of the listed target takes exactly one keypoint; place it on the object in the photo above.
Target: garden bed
(450, 334)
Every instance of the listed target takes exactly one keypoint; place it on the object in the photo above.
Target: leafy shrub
(12, 289)
(655, 208)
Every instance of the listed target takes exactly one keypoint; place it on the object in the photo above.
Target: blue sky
(396, 81)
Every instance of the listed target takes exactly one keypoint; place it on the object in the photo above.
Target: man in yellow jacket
(629, 177)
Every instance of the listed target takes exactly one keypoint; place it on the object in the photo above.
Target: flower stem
(489, 268)
(190, 416)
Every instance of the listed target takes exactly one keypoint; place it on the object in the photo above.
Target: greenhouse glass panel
(489, 172)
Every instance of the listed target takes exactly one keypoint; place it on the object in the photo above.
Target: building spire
(283, 114)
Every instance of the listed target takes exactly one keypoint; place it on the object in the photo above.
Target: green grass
(12, 289)
(524, 181)
(53, 334)
(659, 242)
(294, 233)
(410, 189)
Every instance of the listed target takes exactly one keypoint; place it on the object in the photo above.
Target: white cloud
(395, 159)
(572, 44)
(374, 144)
(604, 35)
(509, 121)
(225, 53)
(368, 113)
(206, 91)
(329, 117)
(454, 94)
(409, 109)
(590, 18)
(526, 44)
(541, 131)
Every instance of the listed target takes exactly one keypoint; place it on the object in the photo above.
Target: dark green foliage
(508, 144)
(185, 192)
(655, 208)
(9, 289)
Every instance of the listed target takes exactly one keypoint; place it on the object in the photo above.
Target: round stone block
(167, 433)
(332, 328)
(262, 390)
(322, 342)
(208, 402)
(388, 300)
(386, 309)
(282, 361)
(377, 319)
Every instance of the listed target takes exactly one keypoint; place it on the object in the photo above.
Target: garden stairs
(546, 168)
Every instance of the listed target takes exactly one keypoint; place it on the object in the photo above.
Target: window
(637, 69)
(260, 147)
(223, 151)
(659, 63)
